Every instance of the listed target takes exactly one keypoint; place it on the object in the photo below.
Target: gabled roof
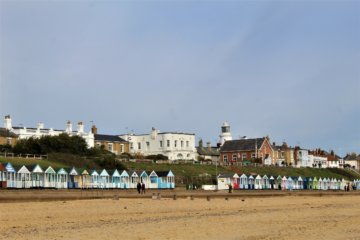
(242, 145)
(208, 151)
(163, 173)
(108, 138)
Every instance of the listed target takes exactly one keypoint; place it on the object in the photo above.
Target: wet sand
(240, 217)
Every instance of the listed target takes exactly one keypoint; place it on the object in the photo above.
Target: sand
(285, 217)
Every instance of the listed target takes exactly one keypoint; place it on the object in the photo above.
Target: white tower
(7, 122)
(225, 133)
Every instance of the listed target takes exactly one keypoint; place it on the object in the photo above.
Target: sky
(286, 69)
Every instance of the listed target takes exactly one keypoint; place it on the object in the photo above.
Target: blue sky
(287, 69)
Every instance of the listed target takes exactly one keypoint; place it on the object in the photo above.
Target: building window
(98, 145)
(182, 143)
(253, 155)
(243, 156)
(9, 141)
(110, 147)
(282, 154)
(234, 157)
(161, 144)
(187, 143)
(175, 143)
(168, 143)
(225, 158)
(139, 145)
(121, 148)
(147, 145)
(131, 145)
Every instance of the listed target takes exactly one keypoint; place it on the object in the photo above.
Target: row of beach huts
(283, 183)
(36, 177)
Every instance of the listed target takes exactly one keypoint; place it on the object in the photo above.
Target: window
(9, 141)
(243, 156)
(175, 143)
(225, 158)
(182, 144)
(98, 145)
(161, 144)
(253, 155)
(121, 148)
(139, 145)
(131, 145)
(147, 145)
(282, 154)
(234, 157)
(187, 143)
(168, 143)
(110, 147)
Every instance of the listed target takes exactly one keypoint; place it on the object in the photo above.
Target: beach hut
(284, 183)
(235, 181)
(153, 180)
(223, 181)
(357, 184)
(10, 175)
(333, 183)
(125, 180)
(3, 176)
(290, 183)
(300, 183)
(85, 180)
(251, 182)
(49, 178)
(23, 177)
(278, 183)
(134, 179)
(243, 182)
(166, 180)
(104, 179)
(258, 182)
(321, 184)
(74, 178)
(272, 182)
(305, 183)
(328, 184)
(343, 184)
(115, 178)
(61, 179)
(37, 176)
(144, 178)
(95, 179)
(265, 182)
(338, 184)
(315, 184)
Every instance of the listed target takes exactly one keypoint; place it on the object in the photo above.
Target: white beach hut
(61, 179)
(104, 179)
(37, 177)
(243, 182)
(49, 178)
(23, 177)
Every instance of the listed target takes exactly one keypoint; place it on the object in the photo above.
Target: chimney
(200, 143)
(7, 122)
(208, 144)
(68, 127)
(94, 129)
(80, 127)
(40, 125)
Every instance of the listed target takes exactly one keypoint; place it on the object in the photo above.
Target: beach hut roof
(165, 174)
(144, 174)
(9, 167)
(124, 173)
(284, 178)
(279, 177)
(114, 173)
(153, 174)
(22, 169)
(258, 177)
(94, 173)
(272, 178)
(50, 170)
(104, 173)
(243, 176)
(62, 171)
(36, 169)
(265, 177)
(300, 178)
(72, 171)
(251, 177)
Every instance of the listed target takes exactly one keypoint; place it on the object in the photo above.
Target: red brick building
(244, 150)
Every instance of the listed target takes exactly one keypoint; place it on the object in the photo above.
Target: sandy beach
(285, 217)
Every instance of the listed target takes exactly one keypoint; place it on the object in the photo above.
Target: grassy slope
(30, 161)
(190, 170)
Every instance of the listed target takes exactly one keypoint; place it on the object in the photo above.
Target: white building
(40, 130)
(303, 160)
(174, 145)
(317, 161)
(225, 134)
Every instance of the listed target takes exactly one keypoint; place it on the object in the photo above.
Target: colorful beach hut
(3, 176)
(278, 182)
(315, 183)
(290, 183)
(104, 179)
(74, 178)
(251, 182)
(62, 179)
(37, 176)
(115, 179)
(272, 182)
(300, 183)
(124, 180)
(153, 180)
(265, 182)
(23, 177)
(284, 183)
(95, 179)
(243, 182)
(166, 179)
(10, 175)
(49, 178)
(85, 179)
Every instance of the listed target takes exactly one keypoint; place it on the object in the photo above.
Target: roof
(162, 173)
(242, 145)
(208, 151)
(7, 133)
(108, 138)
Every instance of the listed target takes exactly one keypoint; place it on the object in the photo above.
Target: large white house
(174, 145)
(40, 130)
